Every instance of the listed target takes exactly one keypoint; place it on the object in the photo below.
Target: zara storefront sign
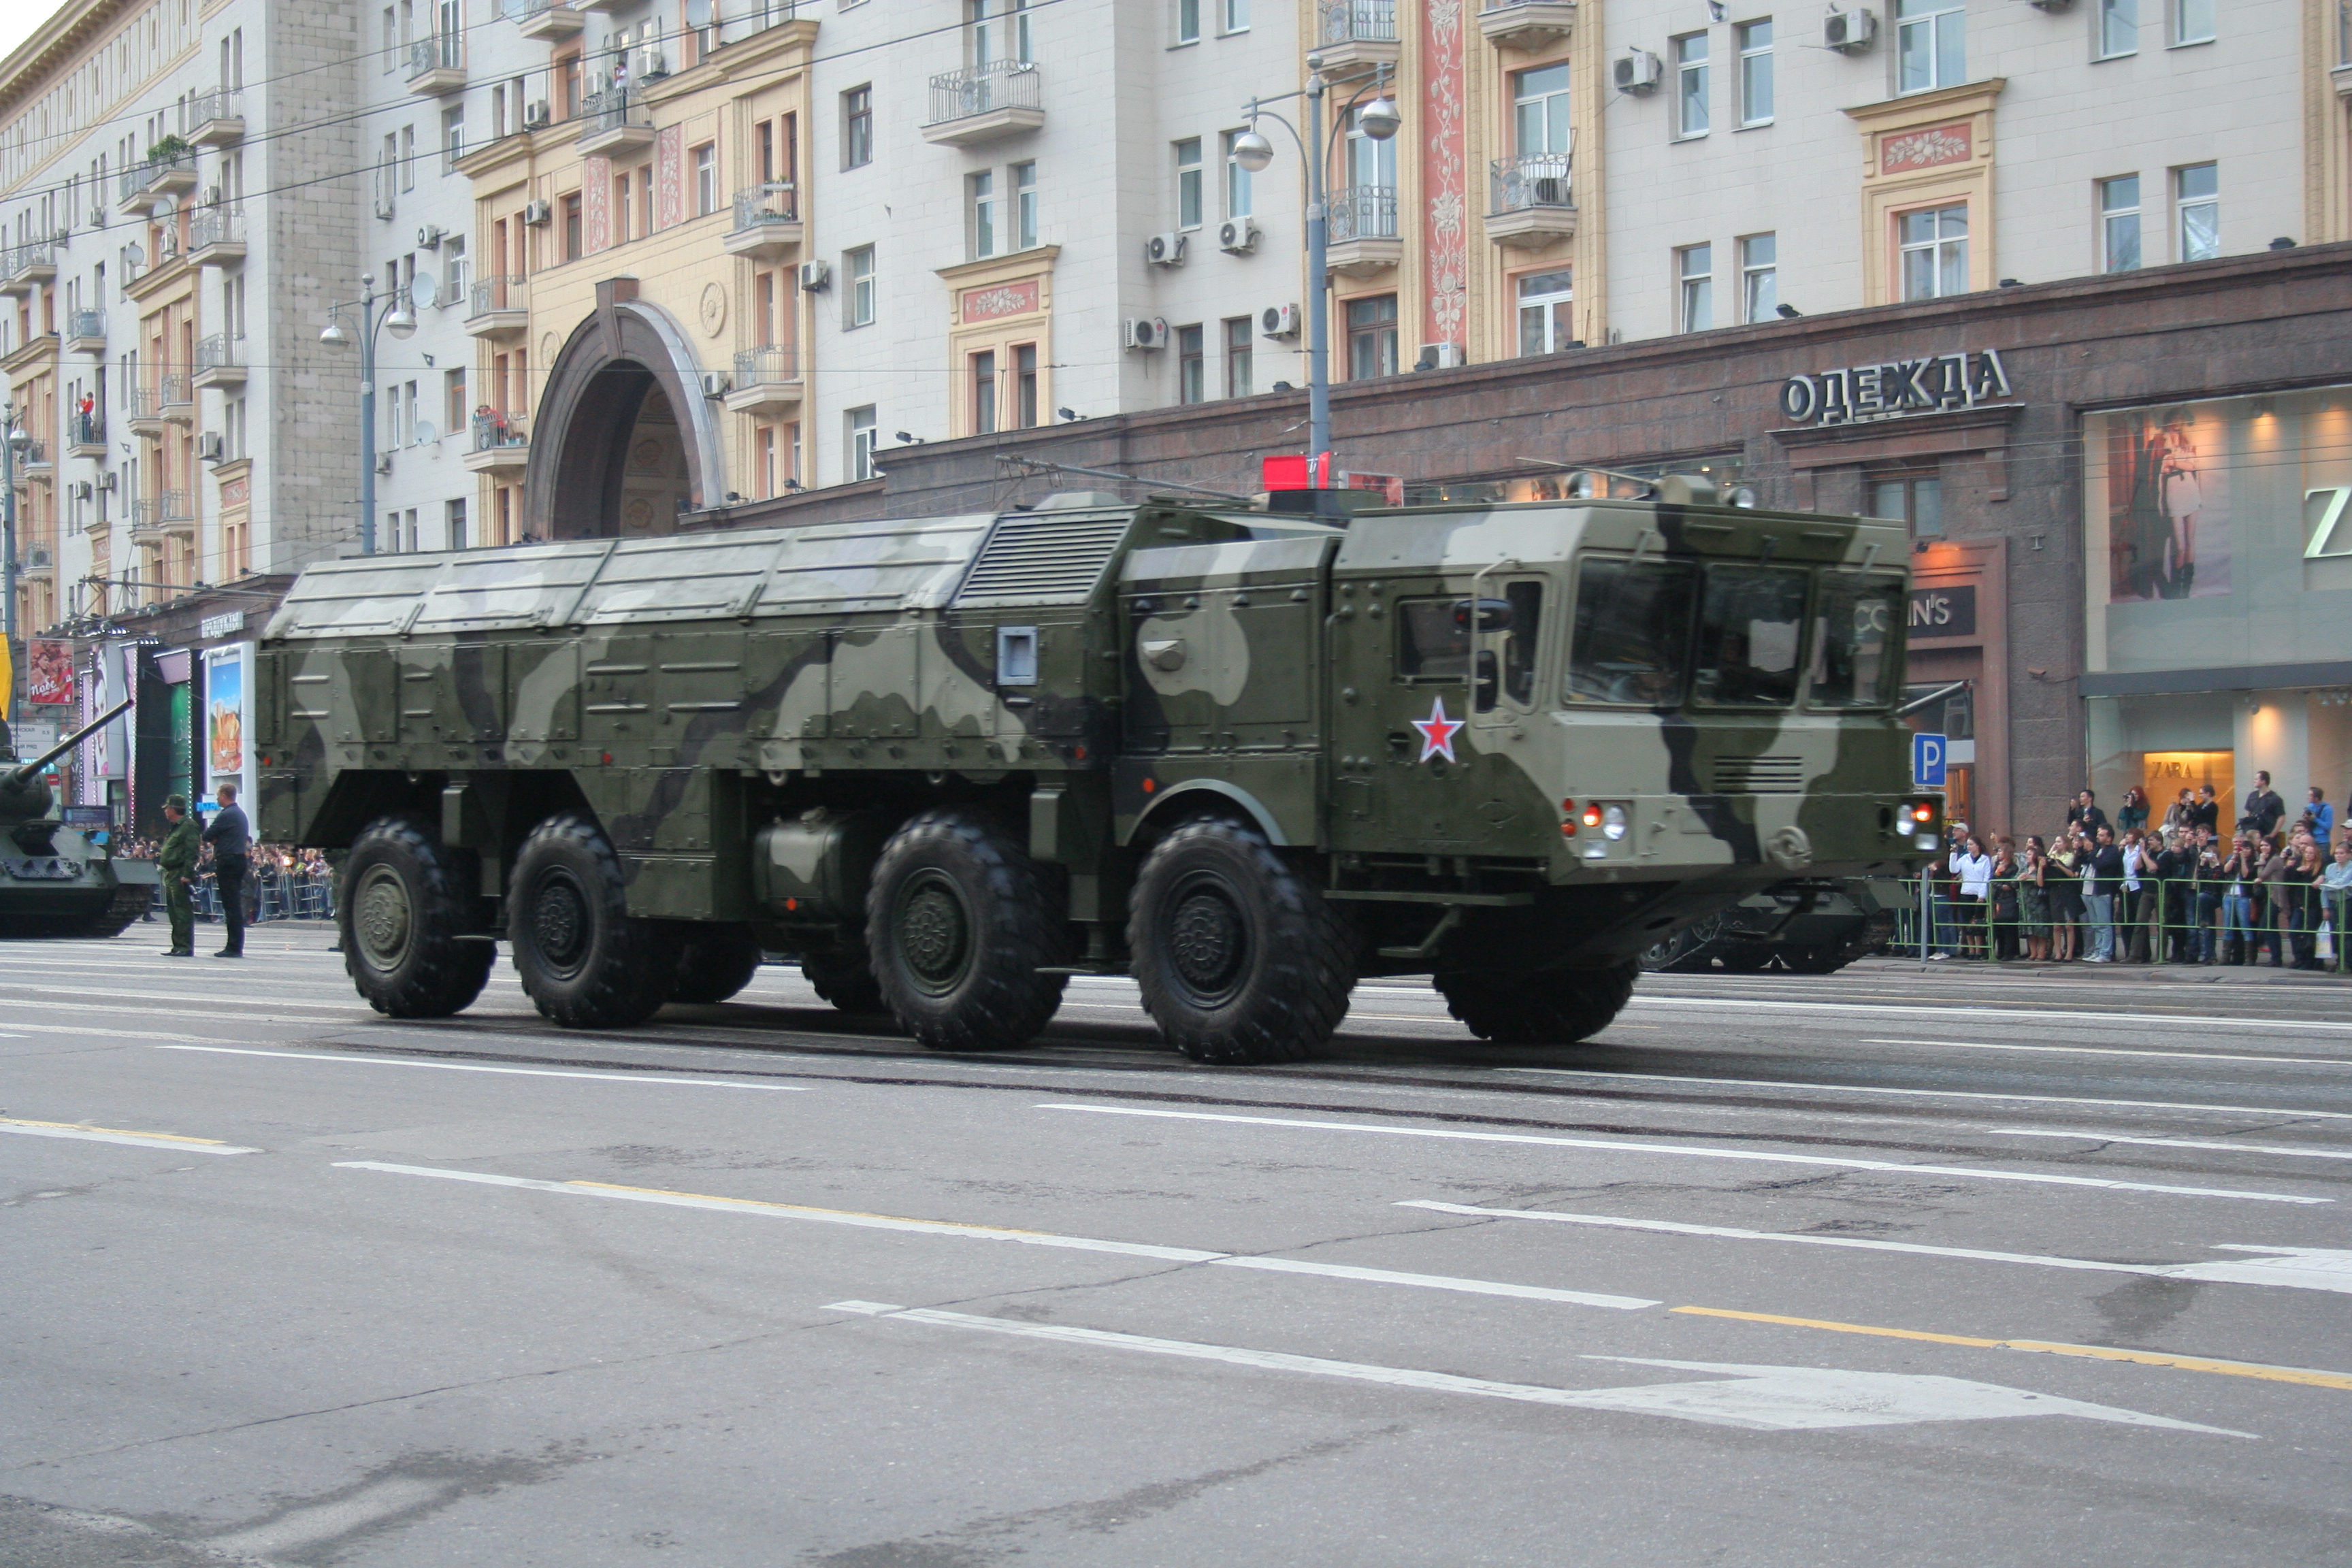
(1902, 389)
(228, 622)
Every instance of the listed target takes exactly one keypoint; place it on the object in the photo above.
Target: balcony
(141, 184)
(1356, 37)
(498, 309)
(1527, 25)
(1530, 204)
(767, 381)
(86, 332)
(179, 397)
(219, 117)
(146, 417)
(550, 21)
(613, 121)
(84, 434)
(26, 267)
(1362, 238)
(38, 351)
(983, 103)
(217, 237)
(33, 461)
(500, 445)
(40, 564)
(767, 221)
(436, 65)
(165, 511)
(218, 364)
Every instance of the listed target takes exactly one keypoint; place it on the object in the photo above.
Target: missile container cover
(1248, 756)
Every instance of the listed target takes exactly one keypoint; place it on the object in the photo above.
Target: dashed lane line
(2287, 1149)
(1810, 1087)
(371, 1060)
(2120, 1051)
(88, 1133)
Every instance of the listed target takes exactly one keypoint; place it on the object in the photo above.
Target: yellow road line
(2049, 1347)
(805, 1208)
(117, 1132)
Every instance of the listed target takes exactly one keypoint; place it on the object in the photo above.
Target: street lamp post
(395, 317)
(10, 449)
(1379, 120)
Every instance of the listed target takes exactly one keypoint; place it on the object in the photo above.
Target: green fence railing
(2296, 925)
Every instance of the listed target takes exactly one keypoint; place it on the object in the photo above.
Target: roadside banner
(48, 672)
(228, 706)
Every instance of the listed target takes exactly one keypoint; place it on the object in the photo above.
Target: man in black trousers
(232, 842)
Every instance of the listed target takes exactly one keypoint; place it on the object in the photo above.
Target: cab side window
(1433, 640)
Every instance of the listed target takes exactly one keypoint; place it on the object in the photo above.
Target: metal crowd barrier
(2300, 924)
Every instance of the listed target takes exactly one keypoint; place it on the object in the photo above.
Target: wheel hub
(382, 917)
(558, 922)
(934, 932)
(1207, 939)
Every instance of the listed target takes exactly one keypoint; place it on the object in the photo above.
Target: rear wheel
(844, 977)
(584, 962)
(957, 925)
(401, 918)
(1551, 1007)
(1238, 957)
(714, 962)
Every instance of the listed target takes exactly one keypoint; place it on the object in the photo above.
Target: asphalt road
(1878, 1268)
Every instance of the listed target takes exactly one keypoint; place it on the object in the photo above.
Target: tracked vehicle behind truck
(1249, 757)
(54, 880)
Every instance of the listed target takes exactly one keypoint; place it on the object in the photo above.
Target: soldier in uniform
(177, 862)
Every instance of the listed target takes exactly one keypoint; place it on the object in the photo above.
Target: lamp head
(1251, 151)
(400, 323)
(335, 336)
(1379, 119)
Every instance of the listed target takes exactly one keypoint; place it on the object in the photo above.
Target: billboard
(229, 707)
(2167, 500)
(48, 672)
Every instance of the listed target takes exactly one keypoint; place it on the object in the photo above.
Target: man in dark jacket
(2085, 814)
(2207, 811)
(2263, 805)
(176, 863)
(232, 842)
(2106, 882)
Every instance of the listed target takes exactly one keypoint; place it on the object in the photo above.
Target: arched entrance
(625, 440)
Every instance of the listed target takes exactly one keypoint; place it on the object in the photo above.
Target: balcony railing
(1359, 22)
(216, 352)
(495, 294)
(732, 21)
(39, 255)
(496, 430)
(220, 104)
(1363, 212)
(85, 429)
(86, 325)
(437, 52)
(146, 402)
(209, 226)
(175, 389)
(1537, 180)
(776, 202)
(984, 89)
(162, 509)
(32, 455)
(770, 366)
(613, 109)
(141, 178)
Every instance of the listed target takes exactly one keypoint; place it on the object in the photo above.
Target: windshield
(1633, 629)
(1853, 642)
(1751, 627)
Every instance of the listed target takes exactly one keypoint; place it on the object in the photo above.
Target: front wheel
(714, 962)
(957, 925)
(401, 918)
(1238, 957)
(584, 962)
(1551, 1007)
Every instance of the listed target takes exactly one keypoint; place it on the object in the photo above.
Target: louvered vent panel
(1042, 558)
(1759, 775)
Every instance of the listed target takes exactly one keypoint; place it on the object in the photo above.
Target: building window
(2197, 192)
(454, 525)
(1695, 265)
(1000, 30)
(1241, 195)
(857, 299)
(860, 425)
(453, 138)
(1539, 110)
(1547, 311)
(2192, 22)
(1934, 248)
(1931, 44)
(706, 179)
(857, 128)
(1372, 337)
(621, 209)
(1188, 183)
(408, 157)
(984, 211)
(453, 402)
(1188, 21)
(1759, 277)
(1916, 500)
(571, 226)
(1025, 206)
(1192, 364)
(983, 393)
(2119, 224)
(1756, 72)
(1025, 387)
(1234, 15)
(2119, 28)
(1240, 354)
(766, 461)
(1690, 85)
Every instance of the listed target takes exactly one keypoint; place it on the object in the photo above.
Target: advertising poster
(228, 706)
(2168, 503)
(48, 672)
(107, 753)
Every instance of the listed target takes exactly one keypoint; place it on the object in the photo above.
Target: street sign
(1928, 759)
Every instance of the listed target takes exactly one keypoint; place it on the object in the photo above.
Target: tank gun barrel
(32, 769)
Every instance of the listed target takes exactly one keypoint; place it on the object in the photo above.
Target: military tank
(53, 880)
(1804, 927)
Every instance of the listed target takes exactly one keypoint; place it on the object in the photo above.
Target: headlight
(1612, 822)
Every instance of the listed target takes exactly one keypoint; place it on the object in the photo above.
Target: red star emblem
(1437, 734)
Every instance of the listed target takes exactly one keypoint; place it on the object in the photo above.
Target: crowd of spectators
(284, 884)
(2139, 888)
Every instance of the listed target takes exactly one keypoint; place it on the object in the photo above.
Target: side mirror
(1493, 614)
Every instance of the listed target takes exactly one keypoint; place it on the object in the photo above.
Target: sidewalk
(2110, 973)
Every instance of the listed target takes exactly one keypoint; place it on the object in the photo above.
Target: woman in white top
(1973, 868)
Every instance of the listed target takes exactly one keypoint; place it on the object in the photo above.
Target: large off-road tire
(844, 977)
(714, 962)
(1238, 957)
(403, 915)
(958, 927)
(584, 962)
(1550, 1008)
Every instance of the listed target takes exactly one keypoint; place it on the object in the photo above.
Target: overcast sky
(17, 20)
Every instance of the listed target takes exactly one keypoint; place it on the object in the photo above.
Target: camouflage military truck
(1246, 756)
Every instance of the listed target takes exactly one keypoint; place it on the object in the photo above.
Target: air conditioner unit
(536, 213)
(537, 113)
(210, 447)
(816, 275)
(383, 208)
(81, 490)
(1280, 320)
(714, 383)
(429, 237)
(1238, 236)
(649, 63)
(98, 218)
(105, 481)
(1850, 31)
(1439, 356)
(212, 197)
(1637, 70)
(1144, 332)
(384, 463)
(1164, 250)
(37, 559)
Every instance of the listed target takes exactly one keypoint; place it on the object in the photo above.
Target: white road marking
(2303, 1267)
(181, 997)
(2117, 1051)
(2175, 1142)
(117, 1135)
(1929, 1093)
(2187, 1021)
(1027, 1238)
(87, 1032)
(471, 1067)
(1756, 1398)
(1696, 1153)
